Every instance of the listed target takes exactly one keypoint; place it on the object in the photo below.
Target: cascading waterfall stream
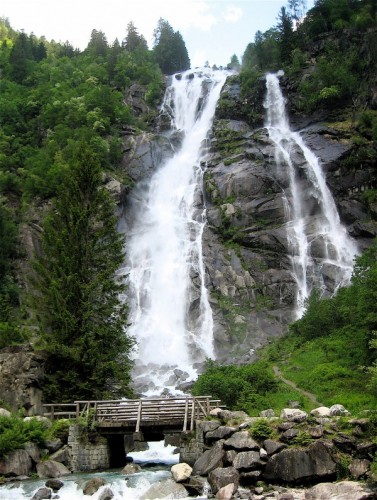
(166, 272)
(322, 252)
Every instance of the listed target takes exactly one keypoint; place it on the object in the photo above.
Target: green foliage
(344, 462)
(80, 313)
(169, 49)
(15, 432)
(53, 98)
(261, 430)
(367, 124)
(333, 80)
(239, 387)
(60, 429)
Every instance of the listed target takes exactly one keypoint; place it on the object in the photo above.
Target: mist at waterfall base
(322, 252)
(170, 314)
(155, 462)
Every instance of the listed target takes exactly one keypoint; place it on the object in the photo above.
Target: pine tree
(133, 40)
(170, 50)
(80, 313)
(97, 45)
(285, 27)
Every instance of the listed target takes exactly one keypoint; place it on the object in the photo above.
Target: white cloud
(232, 14)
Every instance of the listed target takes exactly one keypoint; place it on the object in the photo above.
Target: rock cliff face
(21, 372)
(246, 249)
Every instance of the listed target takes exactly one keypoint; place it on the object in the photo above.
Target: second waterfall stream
(164, 247)
(322, 253)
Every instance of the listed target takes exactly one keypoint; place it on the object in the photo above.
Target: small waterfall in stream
(322, 252)
(170, 314)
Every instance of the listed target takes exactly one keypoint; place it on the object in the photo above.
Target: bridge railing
(179, 411)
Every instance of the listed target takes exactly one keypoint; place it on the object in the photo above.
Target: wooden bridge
(180, 412)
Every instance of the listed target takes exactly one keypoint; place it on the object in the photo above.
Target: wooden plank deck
(180, 412)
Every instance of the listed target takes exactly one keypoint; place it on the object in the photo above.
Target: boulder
(33, 451)
(16, 463)
(345, 443)
(221, 432)
(338, 410)
(359, 467)
(344, 490)
(321, 411)
(42, 494)
(284, 426)
(106, 494)
(296, 465)
(248, 460)
(54, 484)
(226, 492)
(50, 468)
(196, 485)
(241, 441)
(267, 413)
(165, 489)
(272, 446)
(63, 456)
(293, 415)
(5, 413)
(289, 435)
(53, 445)
(230, 455)
(209, 425)
(131, 469)
(210, 460)
(220, 477)
(316, 432)
(93, 485)
(263, 454)
(181, 472)
(215, 412)
(366, 450)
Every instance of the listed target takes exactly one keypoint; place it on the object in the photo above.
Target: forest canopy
(62, 117)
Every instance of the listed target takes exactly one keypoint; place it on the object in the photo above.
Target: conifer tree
(133, 39)
(170, 50)
(80, 313)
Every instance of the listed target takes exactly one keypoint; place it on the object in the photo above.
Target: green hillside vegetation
(62, 116)
(330, 352)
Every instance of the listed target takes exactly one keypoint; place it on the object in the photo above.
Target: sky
(213, 30)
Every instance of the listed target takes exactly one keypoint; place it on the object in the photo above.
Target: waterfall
(322, 253)
(170, 314)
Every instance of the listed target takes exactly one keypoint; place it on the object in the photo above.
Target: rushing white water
(322, 252)
(165, 270)
(124, 487)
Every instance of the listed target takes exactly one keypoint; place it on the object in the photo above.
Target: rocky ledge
(296, 456)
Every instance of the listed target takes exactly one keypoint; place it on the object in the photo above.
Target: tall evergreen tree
(285, 27)
(21, 58)
(133, 39)
(97, 45)
(80, 313)
(170, 50)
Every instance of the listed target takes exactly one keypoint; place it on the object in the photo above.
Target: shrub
(239, 387)
(261, 430)
(60, 429)
(15, 432)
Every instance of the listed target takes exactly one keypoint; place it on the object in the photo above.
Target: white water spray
(164, 248)
(322, 252)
